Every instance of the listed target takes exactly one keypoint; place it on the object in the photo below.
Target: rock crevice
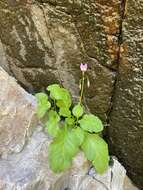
(44, 42)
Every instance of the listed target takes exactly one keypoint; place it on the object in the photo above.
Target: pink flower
(83, 67)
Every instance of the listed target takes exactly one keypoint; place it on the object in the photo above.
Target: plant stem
(82, 88)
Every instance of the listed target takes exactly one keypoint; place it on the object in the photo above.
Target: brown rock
(45, 42)
(28, 168)
(126, 120)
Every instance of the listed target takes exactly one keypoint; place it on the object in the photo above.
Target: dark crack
(120, 43)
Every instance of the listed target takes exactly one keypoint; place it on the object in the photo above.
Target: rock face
(126, 120)
(45, 42)
(27, 168)
(17, 115)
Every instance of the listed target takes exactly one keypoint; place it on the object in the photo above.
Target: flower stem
(82, 88)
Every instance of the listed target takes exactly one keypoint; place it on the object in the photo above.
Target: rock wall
(24, 166)
(44, 41)
(126, 118)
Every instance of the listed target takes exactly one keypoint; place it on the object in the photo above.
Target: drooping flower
(83, 67)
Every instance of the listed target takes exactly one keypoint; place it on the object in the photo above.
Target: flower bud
(83, 67)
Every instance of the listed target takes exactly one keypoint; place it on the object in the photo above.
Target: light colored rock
(128, 185)
(114, 179)
(78, 182)
(27, 168)
(17, 118)
(44, 41)
(3, 60)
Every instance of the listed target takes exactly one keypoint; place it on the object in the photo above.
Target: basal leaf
(62, 150)
(79, 133)
(55, 91)
(57, 157)
(77, 111)
(52, 128)
(70, 121)
(65, 112)
(53, 115)
(91, 123)
(96, 150)
(65, 99)
(52, 125)
(43, 105)
(61, 95)
(52, 87)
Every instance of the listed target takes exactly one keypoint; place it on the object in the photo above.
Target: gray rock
(44, 41)
(27, 168)
(126, 120)
(23, 146)
(113, 179)
(17, 115)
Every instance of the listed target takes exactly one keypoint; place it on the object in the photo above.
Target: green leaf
(91, 123)
(65, 99)
(62, 150)
(53, 87)
(79, 133)
(55, 92)
(61, 95)
(96, 150)
(77, 110)
(52, 124)
(70, 121)
(65, 112)
(43, 105)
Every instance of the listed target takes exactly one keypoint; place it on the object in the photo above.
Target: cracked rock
(44, 42)
(27, 168)
(126, 120)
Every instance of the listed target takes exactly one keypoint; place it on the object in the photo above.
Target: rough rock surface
(17, 115)
(45, 41)
(28, 168)
(128, 185)
(126, 120)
